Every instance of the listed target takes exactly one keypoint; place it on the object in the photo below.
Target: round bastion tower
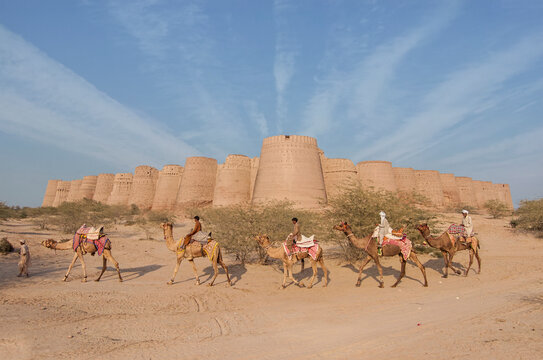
(290, 169)
(198, 182)
(233, 182)
(338, 174)
(143, 187)
(63, 188)
(73, 194)
(50, 193)
(167, 187)
(88, 186)
(104, 185)
(428, 183)
(122, 185)
(405, 179)
(376, 174)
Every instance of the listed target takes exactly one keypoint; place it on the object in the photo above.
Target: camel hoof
(209, 285)
(381, 285)
(83, 280)
(120, 280)
(425, 285)
(394, 285)
(309, 286)
(444, 276)
(96, 280)
(357, 284)
(65, 278)
(458, 272)
(170, 282)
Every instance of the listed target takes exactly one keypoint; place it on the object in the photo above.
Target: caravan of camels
(384, 241)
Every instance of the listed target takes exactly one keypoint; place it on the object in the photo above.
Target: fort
(290, 167)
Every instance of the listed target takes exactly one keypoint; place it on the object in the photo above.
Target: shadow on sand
(235, 271)
(370, 270)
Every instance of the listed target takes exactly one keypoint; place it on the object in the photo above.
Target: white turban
(465, 212)
(22, 241)
(382, 213)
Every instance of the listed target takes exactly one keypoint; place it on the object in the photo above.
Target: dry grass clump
(497, 209)
(5, 246)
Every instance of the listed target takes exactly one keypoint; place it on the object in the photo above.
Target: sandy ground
(497, 314)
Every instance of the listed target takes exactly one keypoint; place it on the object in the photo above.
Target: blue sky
(88, 87)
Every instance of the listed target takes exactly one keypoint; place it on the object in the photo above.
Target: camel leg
(325, 270)
(402, 272)
(478, 260)
(285, 274)
(104, 267)
(107, 254)
(196, 271)
(380, 269)
(314, 267)
(291, 276)
(456, 271)
(215, 271)
(70, 267)
(364, 262)
(83, 266)
(303, 264)
(225, 269)
(179, 259)
(415, 259)
(446, 260)
(471, 252)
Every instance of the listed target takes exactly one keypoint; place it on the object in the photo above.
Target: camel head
(263, 239)
(49, 243)
(423, 228)
(166, 225)
(343, 226)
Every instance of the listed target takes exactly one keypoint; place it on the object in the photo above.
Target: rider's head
(294, 220)
(197, 218)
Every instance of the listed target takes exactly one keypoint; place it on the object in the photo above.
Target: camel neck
(168, 236)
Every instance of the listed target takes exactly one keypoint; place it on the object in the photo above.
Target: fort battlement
(290, 167)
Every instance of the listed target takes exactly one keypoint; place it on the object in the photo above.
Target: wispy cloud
(43, 100)
(464, 93)
(285, 58)
(363, 87)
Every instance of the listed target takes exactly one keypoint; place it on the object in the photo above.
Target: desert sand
(497, 314)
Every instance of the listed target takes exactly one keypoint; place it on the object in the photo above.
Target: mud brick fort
(289, 167)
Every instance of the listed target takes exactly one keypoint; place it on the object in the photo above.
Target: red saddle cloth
(404, 244)
(312, 251)
(80, 237)
(458, 230)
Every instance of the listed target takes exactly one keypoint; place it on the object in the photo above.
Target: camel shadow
(371, 271)
(130, 274)
(235, 271)
(307, 272)
(438, 265)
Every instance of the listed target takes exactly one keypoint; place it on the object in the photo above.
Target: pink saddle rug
(312, 251)
(404, 244)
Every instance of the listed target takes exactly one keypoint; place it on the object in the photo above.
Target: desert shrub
(148, 221)
(497, 209)
(469, 208)
(360, 208)
(235, 227)
(5, 246)
(529, 216)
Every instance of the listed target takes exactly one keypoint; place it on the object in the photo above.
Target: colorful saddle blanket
(306, 242)
(100, 243)
(312, 251)
(457, 230)
(404, 244)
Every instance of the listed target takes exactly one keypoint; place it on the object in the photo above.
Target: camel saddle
(90, 233)
(306, 242)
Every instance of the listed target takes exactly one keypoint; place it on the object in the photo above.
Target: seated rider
(188, 237)
(384, 229)
(467, 223)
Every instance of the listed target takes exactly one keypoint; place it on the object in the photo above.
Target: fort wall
(73, 194)
(143, 188)
(377, 175)
(290, 169)
(451, 197)
(167, 187)
(63, 188)
(104, 186)
(404, 179)
(88, 186)
(122, 186)
(50, 193)
(338, 174)
(255, 163)
(466, 191)
(198, 182)
(428, 183)
(233, 183)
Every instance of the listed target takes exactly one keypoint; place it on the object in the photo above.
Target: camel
(448, 249)
(193, 250)
(85, 247)
(370, 247)
(279, 253)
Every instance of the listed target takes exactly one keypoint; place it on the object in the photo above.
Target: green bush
(360, 208)
(497, 209)
(529, 216)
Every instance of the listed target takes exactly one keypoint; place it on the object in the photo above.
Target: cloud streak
(43, 100)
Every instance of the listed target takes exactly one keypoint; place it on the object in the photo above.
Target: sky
(89, 87)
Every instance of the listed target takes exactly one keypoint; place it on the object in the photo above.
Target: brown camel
(448, 249)
(370, 247)
(279, 253)
(85, 247)
(193, 250)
